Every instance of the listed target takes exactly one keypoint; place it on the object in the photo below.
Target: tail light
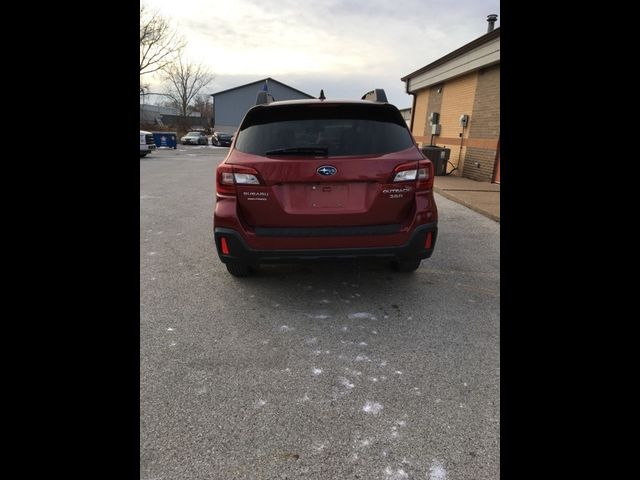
(228, 176)
(423, 175)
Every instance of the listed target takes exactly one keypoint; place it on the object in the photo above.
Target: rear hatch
(325, 165)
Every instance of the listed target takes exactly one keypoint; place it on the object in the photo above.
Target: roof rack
(376, 95)
(264, 97)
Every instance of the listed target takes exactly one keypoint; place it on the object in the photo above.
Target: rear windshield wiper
(317, 151)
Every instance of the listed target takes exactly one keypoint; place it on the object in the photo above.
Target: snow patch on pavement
(372, 407)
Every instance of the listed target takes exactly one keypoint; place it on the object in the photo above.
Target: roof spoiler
(264, 98)
(376, 95)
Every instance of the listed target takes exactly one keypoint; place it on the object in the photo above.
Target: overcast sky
(346, 47)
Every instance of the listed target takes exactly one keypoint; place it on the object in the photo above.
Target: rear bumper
(240, 252)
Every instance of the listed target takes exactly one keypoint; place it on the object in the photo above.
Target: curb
(453, 198)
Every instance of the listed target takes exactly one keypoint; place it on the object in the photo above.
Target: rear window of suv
(335, 129)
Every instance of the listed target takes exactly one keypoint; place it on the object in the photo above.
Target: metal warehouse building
(456, 104)
(230, 106)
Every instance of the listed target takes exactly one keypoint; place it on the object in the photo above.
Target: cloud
(347, 45)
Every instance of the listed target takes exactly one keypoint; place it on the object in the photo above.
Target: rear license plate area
(327, 195)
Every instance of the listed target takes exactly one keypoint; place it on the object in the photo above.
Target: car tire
(406, 265)
(238, 269)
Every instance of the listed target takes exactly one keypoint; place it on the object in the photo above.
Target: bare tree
(185, 81)
(203, 106)
(160, 44)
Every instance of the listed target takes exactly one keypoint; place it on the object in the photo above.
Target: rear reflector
(427, 242)
(225, 247)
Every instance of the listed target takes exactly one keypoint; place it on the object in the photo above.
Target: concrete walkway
(482, 197)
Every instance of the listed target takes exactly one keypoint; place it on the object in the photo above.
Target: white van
(147, 143)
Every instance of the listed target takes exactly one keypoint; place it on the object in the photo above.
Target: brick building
(463, 82)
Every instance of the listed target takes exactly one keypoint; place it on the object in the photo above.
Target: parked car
(195, 138)
(318, 180)
(221, 139)
(147, 144)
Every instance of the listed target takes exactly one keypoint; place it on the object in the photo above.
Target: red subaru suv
(324, 179)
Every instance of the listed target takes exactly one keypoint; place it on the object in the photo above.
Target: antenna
(322, 97)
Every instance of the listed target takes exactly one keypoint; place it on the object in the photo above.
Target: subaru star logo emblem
(327, 170)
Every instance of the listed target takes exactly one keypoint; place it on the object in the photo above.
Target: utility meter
(464, 120)
(434, 118)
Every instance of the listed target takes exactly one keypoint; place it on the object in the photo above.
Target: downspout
(413, 104)
(413, 109)
(213, 111)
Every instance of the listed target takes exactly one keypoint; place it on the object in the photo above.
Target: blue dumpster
(165, 139)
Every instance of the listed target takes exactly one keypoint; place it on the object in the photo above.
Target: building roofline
(456, 53)
(260, 81)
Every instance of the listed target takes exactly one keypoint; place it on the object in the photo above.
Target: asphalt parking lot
(320, 371)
